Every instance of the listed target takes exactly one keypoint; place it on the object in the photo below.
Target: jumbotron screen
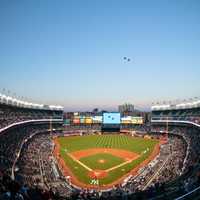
(111, 118)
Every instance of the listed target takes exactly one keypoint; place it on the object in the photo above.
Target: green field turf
(110, 161)
(77, 143)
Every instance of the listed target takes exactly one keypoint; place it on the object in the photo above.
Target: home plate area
(97, 174)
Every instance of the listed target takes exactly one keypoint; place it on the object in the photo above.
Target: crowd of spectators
(192, 115)
(10, 143)
(26, 153)
(37, 158)
(165, 167)
(38, 167)
(191, 165)
(11, 114)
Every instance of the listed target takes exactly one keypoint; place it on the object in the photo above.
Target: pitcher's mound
(101, 161)
(97, 174)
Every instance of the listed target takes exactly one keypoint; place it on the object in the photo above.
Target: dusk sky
(71, 52)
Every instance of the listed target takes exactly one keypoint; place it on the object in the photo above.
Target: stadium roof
(25, 104)
(175, 106)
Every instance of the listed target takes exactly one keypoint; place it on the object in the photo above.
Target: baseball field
(103, 160)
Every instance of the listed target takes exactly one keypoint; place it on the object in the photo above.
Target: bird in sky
(127, 59)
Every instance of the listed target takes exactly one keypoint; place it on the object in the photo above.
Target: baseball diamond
(102, 161)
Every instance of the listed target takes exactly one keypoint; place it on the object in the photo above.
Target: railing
(189, 195)
(174, 120)
(29, 121)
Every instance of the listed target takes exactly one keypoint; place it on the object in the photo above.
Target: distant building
(95, 110)
(126, 108)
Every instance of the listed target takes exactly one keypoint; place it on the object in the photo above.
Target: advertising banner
(137, 120)
(88, 120)
(97, 119)
(126, 120)
(76, 120)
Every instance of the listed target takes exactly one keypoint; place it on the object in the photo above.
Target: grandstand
(19, 122)
(29, 169)
(13, 110)
(182, 119)
(185, 112)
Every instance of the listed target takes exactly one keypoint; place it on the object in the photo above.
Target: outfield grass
(76, 143)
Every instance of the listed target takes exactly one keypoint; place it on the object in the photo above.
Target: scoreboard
(111, 122)
(111, 118)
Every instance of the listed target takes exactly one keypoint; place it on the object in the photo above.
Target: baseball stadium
(100, 154)
(99, 100)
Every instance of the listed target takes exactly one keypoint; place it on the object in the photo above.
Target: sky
(70, 52)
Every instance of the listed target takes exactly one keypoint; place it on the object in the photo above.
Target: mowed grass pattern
(77, 143)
